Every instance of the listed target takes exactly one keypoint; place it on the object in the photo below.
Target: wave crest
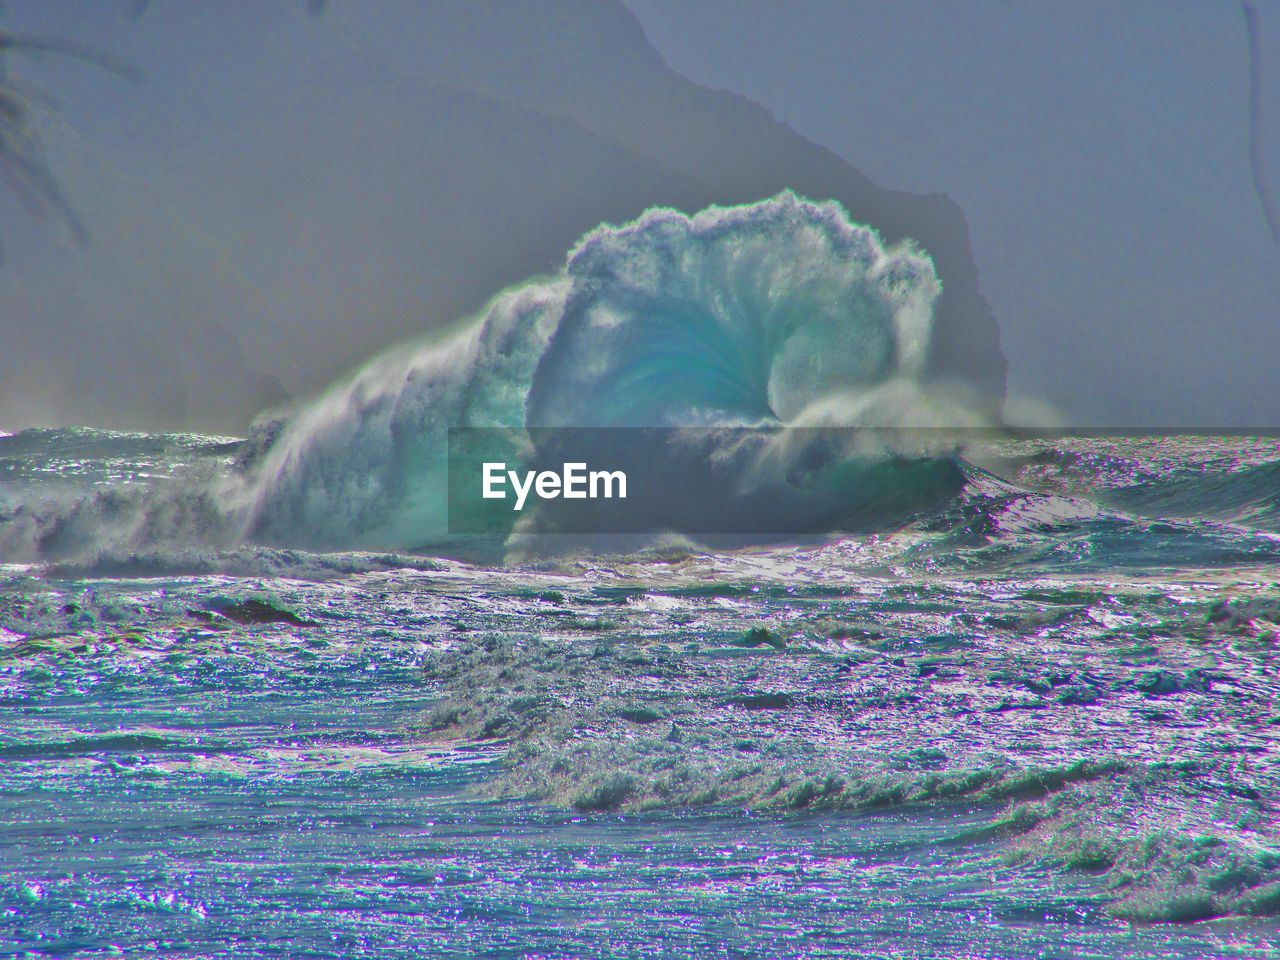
(757, 314)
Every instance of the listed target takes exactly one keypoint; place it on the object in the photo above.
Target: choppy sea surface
(1039, 721)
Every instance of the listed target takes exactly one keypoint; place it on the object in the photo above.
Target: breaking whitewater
(1010, 696)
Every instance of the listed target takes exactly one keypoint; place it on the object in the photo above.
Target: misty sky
(284, 195)
(1098, 148)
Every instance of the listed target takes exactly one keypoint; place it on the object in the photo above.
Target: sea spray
(773, 315)
(776, 313)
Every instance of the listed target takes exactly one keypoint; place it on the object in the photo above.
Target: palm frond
(37, 46)
(22, 157)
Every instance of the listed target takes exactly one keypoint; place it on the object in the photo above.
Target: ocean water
(989, 695)
(1038, 721)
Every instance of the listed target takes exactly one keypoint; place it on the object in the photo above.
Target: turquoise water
(255, 814)
(1039, 722)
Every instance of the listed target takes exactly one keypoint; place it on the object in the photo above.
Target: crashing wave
(779, 313)
(782, 317)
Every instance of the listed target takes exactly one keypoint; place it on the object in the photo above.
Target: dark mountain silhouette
(590, 61)
(315, 189)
